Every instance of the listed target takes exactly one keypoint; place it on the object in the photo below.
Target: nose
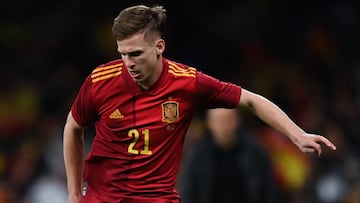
(128, 62)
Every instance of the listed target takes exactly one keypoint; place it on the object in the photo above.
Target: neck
(142, 87)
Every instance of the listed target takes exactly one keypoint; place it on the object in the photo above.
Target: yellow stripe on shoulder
(106, 76)
(180, 69)
(182, 74)
(105, 72)
(176, 70)
(190, 71)
(107, 67)
(102, 73)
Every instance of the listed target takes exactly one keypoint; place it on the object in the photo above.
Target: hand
(74, 199)
(309, 143)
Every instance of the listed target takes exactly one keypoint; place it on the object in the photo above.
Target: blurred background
(302, 55)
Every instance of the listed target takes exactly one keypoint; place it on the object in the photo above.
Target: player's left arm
(275, 117)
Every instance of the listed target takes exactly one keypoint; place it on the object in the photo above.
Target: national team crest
(170, 111)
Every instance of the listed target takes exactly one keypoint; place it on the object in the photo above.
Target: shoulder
(183, 70)
(107, 71)
(177, 69)
(107, 78)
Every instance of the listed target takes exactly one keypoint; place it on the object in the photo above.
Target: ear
(160, 46)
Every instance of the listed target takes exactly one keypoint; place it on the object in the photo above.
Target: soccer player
(141, 106)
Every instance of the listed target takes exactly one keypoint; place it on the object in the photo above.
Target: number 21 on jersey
(135, 134)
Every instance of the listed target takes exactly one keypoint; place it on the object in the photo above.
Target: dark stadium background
(303, 55)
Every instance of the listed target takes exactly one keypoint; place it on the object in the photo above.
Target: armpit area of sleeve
(83, 114)
(83, 110)
(77, 118)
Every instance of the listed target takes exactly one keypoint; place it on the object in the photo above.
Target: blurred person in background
(141, 106)
(51, 185)
(335, 177)
(8, 194)
(227, 165)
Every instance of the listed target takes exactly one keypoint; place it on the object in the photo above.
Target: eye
(135, 53)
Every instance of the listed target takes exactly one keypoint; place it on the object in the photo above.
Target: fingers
(315, 146)
(308, 150)
(327, 142)
(318, 148)
(312, 149)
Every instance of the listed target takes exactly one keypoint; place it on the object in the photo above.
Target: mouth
(134, 74)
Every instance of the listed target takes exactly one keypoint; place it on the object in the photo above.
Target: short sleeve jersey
(137, 148)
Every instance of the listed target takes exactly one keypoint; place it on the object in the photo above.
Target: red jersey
(137, 149)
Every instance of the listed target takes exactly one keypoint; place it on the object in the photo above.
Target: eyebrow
(135, 53)
(132, 53)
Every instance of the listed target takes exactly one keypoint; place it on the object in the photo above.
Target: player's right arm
(73, 147)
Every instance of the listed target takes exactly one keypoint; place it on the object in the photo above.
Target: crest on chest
(170, 111)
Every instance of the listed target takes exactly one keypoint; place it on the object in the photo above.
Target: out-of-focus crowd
(303, 55)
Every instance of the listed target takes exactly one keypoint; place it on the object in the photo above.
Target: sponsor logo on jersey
(170, 111)
(116, 114)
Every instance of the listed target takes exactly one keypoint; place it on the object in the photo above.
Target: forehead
(135, 42)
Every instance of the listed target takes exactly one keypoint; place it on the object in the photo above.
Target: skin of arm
(73, 156)
(275, 117)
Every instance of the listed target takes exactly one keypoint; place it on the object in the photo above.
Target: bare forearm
(73, 157)
(274, 116)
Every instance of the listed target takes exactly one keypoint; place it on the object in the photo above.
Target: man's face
(140, 56)
(223, 124)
